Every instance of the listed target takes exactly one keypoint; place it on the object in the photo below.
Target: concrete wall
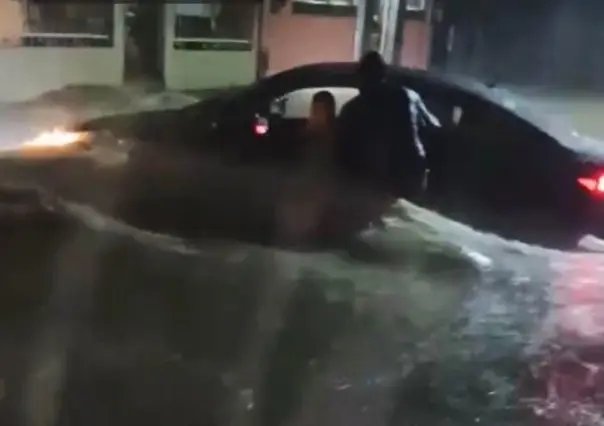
(202, 69)
(26, 72)
(294, 39)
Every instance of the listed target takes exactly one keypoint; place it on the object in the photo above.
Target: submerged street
(436, 322)
(190, 196)
(112, 309)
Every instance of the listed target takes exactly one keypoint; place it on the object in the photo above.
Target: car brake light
(594, 184)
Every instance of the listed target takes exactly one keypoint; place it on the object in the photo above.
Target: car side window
(490, 125)
(484, 121)
(296, 104)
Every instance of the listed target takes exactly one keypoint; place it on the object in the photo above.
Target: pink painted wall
(416, 44)
(295, 39)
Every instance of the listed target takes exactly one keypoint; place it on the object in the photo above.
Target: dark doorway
(145, 42)
(441, 28)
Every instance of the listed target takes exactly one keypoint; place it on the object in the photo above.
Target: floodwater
(103, 323)
(107, 324)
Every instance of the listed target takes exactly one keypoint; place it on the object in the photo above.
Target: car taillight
(594, 184)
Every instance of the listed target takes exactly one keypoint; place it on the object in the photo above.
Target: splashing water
(469, 310)
(461, 305)
(468, 301)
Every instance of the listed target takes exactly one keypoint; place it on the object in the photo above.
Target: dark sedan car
(494, 162)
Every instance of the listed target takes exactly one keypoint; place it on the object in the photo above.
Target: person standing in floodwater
(377, 146)
(302, 210)
(378, 155)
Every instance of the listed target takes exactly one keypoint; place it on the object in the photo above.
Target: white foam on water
(425, 272)
(100, 222)
(466, 295)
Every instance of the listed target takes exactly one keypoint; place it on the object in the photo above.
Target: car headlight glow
(58, 138)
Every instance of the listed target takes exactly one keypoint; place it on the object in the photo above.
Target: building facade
(48, 45)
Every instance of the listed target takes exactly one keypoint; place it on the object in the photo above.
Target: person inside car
(377, 143)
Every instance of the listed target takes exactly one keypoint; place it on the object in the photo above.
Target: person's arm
(422, 113)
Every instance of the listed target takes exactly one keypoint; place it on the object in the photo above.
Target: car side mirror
(278, 107)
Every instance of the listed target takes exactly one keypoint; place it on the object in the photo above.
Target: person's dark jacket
(379, 141)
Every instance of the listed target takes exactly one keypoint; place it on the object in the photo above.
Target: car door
(245, 128)
(468, 156)
(235, 134)
(451, 154)
(507, 169)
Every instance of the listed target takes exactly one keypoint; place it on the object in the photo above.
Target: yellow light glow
(56, 138)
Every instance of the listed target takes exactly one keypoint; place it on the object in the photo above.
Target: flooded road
(107, 324)
(103, 323)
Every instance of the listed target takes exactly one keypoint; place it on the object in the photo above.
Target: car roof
(343, 74)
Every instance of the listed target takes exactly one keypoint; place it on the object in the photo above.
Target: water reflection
(238, 334)
(279, 338)
(579, 298)
(568, 366)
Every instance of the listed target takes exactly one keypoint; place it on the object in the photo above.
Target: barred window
(67, 24)
(220, 21)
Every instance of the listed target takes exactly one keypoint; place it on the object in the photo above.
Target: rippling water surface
(107, 324)
(134, 326)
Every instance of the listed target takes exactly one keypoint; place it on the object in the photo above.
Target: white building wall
(204, 69)
(26, 72)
